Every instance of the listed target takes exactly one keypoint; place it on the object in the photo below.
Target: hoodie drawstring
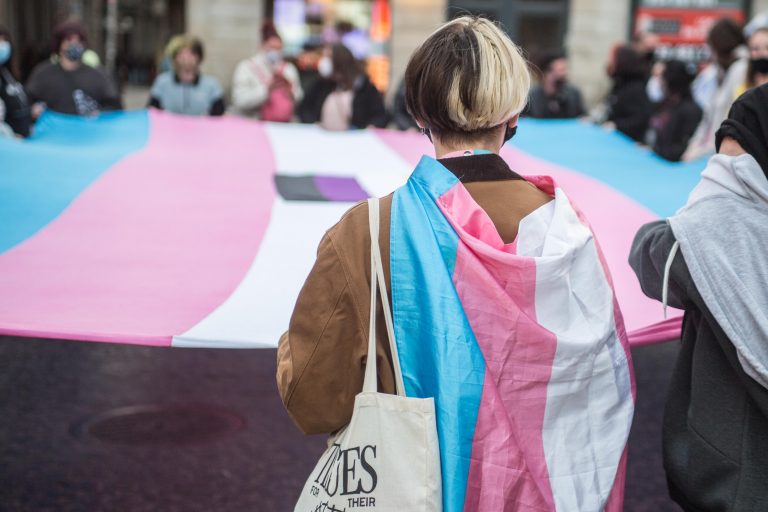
(665, 284)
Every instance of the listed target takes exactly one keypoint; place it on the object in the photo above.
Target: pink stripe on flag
(154, 246)
(508, 464)
(615, 219)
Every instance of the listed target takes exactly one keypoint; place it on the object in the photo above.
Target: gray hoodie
(723, 235)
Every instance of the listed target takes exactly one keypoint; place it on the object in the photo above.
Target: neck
(441, 150)
(69, 65)
(187, 76)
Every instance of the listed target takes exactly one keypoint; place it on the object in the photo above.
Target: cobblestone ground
(96, 427)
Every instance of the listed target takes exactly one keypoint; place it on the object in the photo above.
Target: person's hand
(38, 109)
(731, 147)
(609, 126)
(279, 82)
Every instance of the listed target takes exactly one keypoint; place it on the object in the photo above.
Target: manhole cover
(161, 425)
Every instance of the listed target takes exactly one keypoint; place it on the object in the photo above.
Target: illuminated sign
(682, 25)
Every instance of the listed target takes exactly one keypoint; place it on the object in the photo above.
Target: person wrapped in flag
(504, 310)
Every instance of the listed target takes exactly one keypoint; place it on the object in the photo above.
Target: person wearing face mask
(265, 86)
(709, 260)
(555, 97)
(718, 84)
(757, 70)
(343, 97)
(497, 295)
(185, 90)
(677, 115)
(12, 95)
(68, 85)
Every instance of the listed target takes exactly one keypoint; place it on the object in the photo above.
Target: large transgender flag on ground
(153, 229)
(522, 345)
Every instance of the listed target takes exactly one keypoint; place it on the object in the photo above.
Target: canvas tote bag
(387, 459)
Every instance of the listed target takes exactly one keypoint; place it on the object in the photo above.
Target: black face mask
(508, 133)
(760, 65)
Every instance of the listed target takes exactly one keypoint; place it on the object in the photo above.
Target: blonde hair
(468, 76)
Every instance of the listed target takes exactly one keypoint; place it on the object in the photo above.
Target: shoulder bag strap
(377, 270)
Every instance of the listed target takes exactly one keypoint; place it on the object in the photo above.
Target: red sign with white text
(682, 32)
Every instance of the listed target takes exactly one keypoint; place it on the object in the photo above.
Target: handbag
(387, 459)
(279, 104)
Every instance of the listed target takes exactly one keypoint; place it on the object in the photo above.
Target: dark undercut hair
(466, 80)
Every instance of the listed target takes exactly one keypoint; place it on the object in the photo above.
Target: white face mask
(274, 56)
(325, 67)
(654, 89)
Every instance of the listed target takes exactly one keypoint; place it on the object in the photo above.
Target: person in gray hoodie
(710, 260)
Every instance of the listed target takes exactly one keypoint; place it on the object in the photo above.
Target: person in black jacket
(709, 259)
(343, 98)
(554, 97)
(677, 116)
(628, 105)
(12, 95)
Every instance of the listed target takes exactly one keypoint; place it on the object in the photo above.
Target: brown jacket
(321, 358)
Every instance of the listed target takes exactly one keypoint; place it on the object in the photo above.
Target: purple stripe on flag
(340, 189)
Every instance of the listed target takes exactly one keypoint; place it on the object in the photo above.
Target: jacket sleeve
(648, 257)
(320, 360)
(248, 91)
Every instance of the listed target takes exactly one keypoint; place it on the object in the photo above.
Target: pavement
(100, 427)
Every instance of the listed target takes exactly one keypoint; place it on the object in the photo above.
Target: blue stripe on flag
(439, 354)
(659, 185)
(40, 177)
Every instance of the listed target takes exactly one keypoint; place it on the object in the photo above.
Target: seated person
(66, 84)
(555, 97)
(185, 90)
(266, 86)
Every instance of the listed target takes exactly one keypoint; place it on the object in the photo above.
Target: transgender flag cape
(522, 346)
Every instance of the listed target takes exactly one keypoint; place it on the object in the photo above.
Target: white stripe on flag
(258, 311)
(589, 400)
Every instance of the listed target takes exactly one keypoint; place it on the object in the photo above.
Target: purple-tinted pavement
(96, 427)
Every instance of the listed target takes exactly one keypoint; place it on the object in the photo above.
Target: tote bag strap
(378, 281)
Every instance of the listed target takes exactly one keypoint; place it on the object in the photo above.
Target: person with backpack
(266, 86)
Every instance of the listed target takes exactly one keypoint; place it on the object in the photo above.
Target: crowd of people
(672, 107)
(266, 86)
(489, 238)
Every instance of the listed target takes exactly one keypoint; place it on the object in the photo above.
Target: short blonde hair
(467, 77)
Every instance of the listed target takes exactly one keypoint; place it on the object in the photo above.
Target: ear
(513, 122)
